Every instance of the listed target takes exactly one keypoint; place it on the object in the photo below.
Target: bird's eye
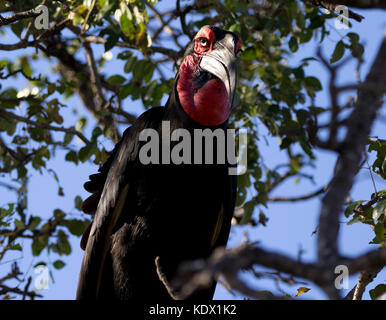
(204, 42)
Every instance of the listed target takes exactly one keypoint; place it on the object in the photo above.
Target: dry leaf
(302, 290)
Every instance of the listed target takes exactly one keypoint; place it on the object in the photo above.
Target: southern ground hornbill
(166, 211)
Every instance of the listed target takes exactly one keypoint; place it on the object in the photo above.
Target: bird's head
(206, 82)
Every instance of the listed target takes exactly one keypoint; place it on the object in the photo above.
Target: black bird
(172, 212)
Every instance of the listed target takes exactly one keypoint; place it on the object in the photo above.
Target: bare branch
(182, 15)
(13, 274)
(362, 4)
(228, 263)
(299, 198)
(163, 279)
(333, 6)
(13, 73)
(94, 75)
(151, 50)
(128, 116)
(56, 28)
(18, 16)
(365, 277)
(44, 125)
(21, 45)
(358, 129)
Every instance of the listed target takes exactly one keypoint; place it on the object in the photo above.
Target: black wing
(109, 188)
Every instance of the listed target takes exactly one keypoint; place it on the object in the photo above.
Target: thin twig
(44, 125)
(299, 198)
(165, 282)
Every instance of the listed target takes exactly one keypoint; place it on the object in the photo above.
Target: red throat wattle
(208, 105)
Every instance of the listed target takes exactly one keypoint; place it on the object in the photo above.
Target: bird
(149, 217)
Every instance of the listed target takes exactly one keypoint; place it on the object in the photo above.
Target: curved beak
(222, 63)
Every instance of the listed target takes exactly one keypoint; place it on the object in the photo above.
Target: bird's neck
(207, 103)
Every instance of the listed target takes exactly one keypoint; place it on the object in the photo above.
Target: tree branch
(227, 263)
(18, 16)
(299, 198)
(182, 15)
(361, 4)
(332, 7)
(358, 128)
(151, 50)
(94, 75)
(163, 279)
(365, 277)
(44, 125)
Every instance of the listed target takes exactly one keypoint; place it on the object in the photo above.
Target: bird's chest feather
(177, 205)
(174, 217)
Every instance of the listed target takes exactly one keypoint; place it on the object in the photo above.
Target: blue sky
(290, 226)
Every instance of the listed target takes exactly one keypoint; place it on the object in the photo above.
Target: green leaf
(51, 87)
(21, 172)
(37, 247)
(8, 125)
(249, 53)
(248, 211)
(148, 71)
(60, 191)
(355, 47)
(378, 291)
(130, 63)
(354, 37)
(353, 220)
(19, 224)
(63, 245)
(116, 79)
(19, 140)
(76, 227)
(263, 219)
(125, 91)
(127, 26)
(111, 41)
(59, 215)
(72, 157)
(313, 83)
(138, 70)
(87, 151)
(293, 44)
(338, 52)
(16, 246)
(350, 208)
(77, 19)
(67, 138)
(5, 215)
(34, 222)
(357, 51)
(96, 133)
(380, 232)
(59, 264)
(78, 202)
(17, 28)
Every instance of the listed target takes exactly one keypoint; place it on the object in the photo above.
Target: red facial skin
(208, 34)
(208, 105)
(238, 45)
